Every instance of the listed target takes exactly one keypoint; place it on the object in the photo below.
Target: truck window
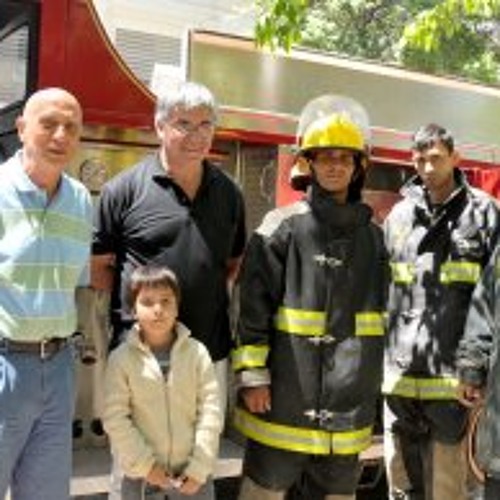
(387, 176)
(14, 66)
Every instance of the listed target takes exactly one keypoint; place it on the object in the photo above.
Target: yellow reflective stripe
(438, 388)
(403, 272)
(250, 356)
(301, 440)
(464, 272)
(369, 323)
(422, 388)
(300, 321)
(352, 442)
(404, 386)
(316, 442)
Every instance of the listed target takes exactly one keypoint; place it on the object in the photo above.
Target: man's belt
(44, 348)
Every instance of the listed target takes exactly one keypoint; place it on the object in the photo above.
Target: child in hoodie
(162, 411)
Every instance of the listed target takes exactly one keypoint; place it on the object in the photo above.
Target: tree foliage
(280, 22)
(460, 37)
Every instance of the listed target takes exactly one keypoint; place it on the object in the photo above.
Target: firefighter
(309, 349)
(478, 362)
(439, 238)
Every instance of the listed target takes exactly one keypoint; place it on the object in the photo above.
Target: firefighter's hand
(157, 476)
(257, 399)
(469, 395)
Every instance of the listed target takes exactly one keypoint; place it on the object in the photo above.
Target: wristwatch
(93, 173)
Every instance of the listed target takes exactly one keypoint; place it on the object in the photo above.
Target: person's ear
(159, 127)
(20, 126)
(455, 157)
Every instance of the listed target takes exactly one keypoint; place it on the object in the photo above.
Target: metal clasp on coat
(321, 339)
(323, 260)
(322, 416)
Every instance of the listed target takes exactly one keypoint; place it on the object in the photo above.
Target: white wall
(149, 33)
(173, 17)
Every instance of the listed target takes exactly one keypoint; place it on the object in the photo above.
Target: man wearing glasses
(175, 208)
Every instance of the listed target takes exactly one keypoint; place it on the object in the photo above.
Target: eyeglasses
(185, 127)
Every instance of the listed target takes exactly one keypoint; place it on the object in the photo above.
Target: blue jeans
(36, 406)
(137, 489)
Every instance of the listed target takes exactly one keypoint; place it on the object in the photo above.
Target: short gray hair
(187, 95)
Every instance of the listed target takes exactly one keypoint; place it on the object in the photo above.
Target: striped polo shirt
(44, 254)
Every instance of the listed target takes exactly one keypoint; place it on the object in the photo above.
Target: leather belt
(44, 348)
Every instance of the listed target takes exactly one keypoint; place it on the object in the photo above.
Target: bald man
(45, 228)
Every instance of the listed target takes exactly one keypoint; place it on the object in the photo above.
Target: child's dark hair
(152, 277)
(428, 135)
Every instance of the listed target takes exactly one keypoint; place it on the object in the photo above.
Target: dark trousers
(313, 475)
(423, 448)
(492, 488)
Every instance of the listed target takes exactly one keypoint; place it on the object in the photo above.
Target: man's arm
(261, 292)
(232, 270)
(473, 355)
(106, 236)
(102, 271)
(233, 264)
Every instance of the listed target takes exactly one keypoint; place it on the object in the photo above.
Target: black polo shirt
(143, 217)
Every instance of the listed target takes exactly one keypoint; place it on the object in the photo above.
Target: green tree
(368, 29)
(460, 37)
(280, 22)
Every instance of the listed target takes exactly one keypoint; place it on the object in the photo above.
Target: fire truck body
(260, 94)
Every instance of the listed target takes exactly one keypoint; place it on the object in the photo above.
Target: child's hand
(157, 476)
(189, 486)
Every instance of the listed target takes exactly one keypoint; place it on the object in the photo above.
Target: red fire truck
(63, 43)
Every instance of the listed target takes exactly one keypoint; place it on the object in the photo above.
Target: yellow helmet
(333, 121)
(329, 121)
(334, 131)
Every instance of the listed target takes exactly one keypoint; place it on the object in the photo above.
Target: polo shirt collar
(157, 171)
(22, 181)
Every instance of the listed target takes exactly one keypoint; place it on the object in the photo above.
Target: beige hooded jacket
(175, 421)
